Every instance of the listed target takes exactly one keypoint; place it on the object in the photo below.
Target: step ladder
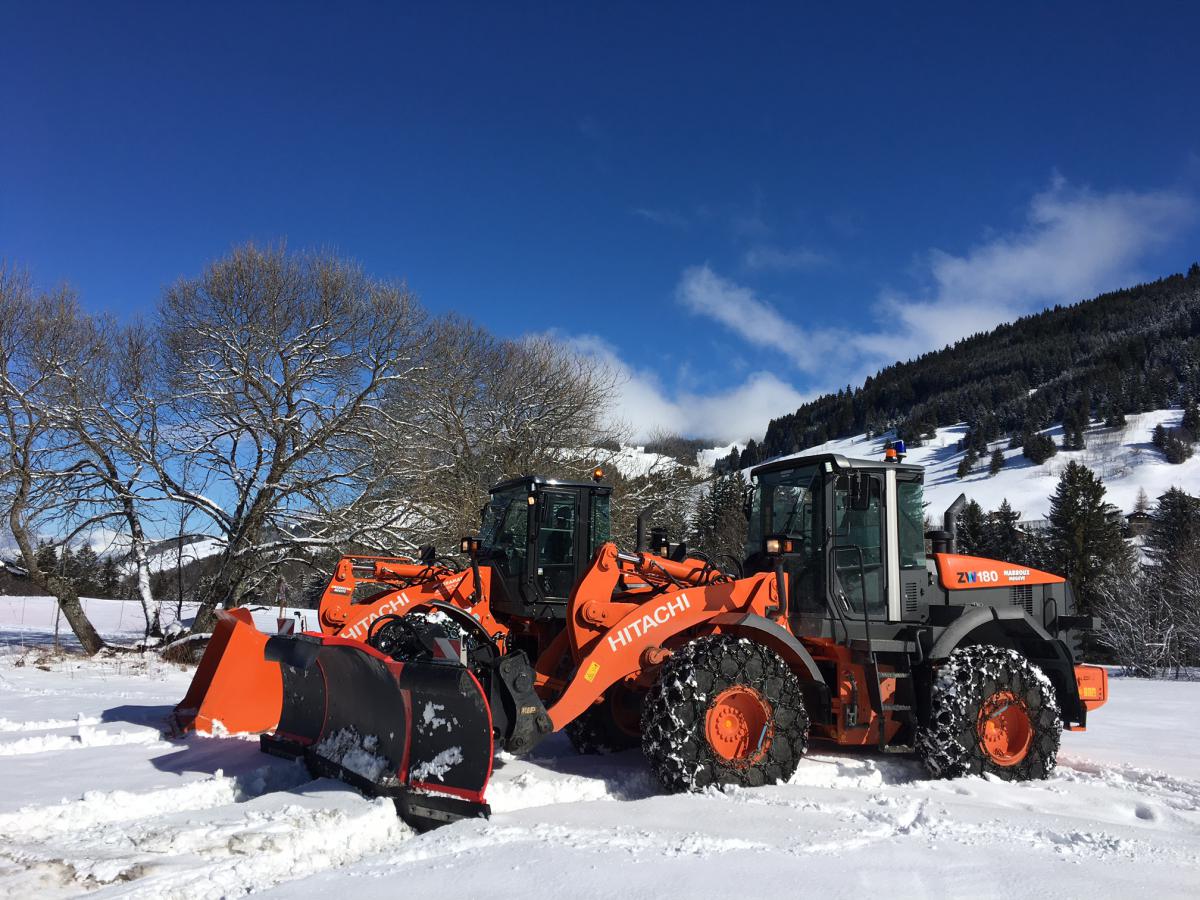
(903, 711)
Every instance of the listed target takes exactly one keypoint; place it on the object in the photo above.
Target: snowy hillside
(98, 799)
(166, 555)
(1124, 458)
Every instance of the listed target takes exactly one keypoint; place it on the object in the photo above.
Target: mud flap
(417, 732)
(235, 687)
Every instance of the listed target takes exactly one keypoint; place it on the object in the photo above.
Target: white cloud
(767, 257)
(737, 307)
(646, 406)
(1074, 244)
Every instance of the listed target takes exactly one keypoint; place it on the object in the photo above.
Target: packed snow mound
(98, 799)
(1124, 458)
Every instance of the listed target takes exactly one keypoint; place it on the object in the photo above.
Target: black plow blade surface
(417, 732)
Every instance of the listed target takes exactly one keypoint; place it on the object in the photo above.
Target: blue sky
(738, 205)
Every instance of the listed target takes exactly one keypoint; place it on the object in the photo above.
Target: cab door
(860, 556)
(558, 537)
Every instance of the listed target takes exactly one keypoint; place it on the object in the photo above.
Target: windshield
(783, 504)
(505, 530)
(493, 515)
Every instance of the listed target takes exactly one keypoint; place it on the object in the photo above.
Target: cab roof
(531, 482)
(837, 461)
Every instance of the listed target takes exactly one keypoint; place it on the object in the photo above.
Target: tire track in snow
(1177, 793)
(892, 811)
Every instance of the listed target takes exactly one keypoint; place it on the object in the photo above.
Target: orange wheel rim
(738, 725)
(1005, 730)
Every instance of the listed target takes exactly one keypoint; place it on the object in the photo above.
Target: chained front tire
(993, 712)
(724, 710)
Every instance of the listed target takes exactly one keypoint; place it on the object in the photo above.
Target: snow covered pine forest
(233, 447)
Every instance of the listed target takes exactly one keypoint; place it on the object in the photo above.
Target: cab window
(858, 542)
(600, 522)
(556, 543)
(911, 521)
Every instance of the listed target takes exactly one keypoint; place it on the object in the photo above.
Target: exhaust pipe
(950, 522)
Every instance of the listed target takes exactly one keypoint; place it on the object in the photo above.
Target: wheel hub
(737, 725)
(1005, 729)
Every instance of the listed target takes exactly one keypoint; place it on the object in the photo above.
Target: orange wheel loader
(837, 627)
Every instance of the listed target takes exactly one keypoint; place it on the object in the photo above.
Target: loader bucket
(235, 687)
(417, 732)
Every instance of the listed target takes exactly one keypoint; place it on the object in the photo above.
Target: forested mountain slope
(1126, 352)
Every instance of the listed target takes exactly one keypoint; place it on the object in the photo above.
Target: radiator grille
(1022, 595)
(911, 598)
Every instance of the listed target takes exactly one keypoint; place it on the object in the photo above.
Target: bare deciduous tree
(42, 467)
(485, 410)
(100, 398)
(1152, 625)
(273, 368)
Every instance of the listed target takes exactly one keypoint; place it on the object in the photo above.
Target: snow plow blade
(419, 733)
(235, 688)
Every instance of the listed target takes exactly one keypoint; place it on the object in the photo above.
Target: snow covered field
(97, 799)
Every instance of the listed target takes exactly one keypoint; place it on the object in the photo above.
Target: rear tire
(992, 712)
(724, 710)
(610, 726)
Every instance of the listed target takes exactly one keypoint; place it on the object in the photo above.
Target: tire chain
(949, 744)
(675, 710)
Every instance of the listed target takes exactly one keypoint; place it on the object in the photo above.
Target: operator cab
(857, 538)
(539, 536)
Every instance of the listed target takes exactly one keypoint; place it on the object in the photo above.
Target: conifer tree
(719, 523)
(87, 570)
(967, 463)
(110, 578)
(1038, 447)
(1159, 436)
(1005, 539)
(972, 530)
(997, 462)
(1191, 421)
(1085, 534)
(1173, 540)
(47, 557)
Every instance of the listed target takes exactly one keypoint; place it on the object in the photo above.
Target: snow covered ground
(98, 799)
(1124, 458)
